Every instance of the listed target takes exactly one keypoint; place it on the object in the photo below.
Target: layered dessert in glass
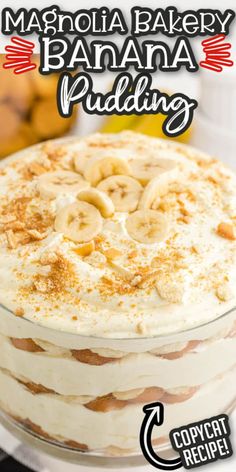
(117, 289)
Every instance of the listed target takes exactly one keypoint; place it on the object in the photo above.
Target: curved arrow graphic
(154, 416)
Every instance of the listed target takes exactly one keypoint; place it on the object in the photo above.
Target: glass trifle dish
(117, 289)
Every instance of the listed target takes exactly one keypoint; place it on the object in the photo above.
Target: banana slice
(81, 163)
(99, 199)
(156, 188)
(147, 226)
(80, 222)
(55, 183)
(123, 190)
(83, 157)
(99, 169)
(146, 169)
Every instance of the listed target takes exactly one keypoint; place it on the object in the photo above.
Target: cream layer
(17, 327)
(67, 376)
(72, 421)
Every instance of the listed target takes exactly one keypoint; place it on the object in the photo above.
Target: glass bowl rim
(132, 339)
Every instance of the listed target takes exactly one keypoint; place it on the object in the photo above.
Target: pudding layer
(120, 428)
(132, 371)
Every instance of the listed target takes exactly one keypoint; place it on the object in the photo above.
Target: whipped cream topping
(151, 250)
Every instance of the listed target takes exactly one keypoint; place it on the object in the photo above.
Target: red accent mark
(217, 55)
(22, 42)
(20, 57)
(213, 40)
(16, 56)
(216, 52)
(224, 47)
(17, 49)
(21, 70)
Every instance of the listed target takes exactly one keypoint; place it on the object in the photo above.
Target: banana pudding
(117, 288)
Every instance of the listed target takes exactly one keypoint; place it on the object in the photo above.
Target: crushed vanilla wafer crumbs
(224, 293)
(93, 233)
(36, 169)
(227, 231)
(61, 275)
(19, 312)
(12, 242)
